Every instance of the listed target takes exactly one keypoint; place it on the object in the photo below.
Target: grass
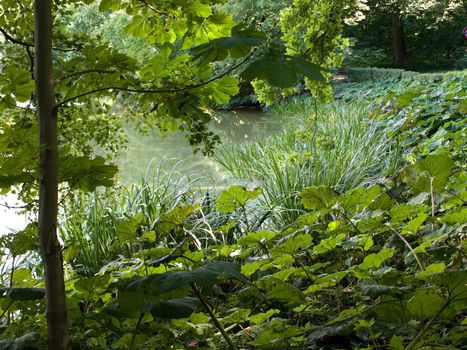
(89, 227)
(339, 148)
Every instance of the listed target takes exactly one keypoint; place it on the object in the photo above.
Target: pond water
(146, 154)
(172, 151)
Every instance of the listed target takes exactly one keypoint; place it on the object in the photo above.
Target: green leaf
(280, 70)
(377, 290)
(263, 317)
(200, 9)
(375, 260)
(175, 218)
(318, 198)
(139, 293)
(431, 269)
(235, 197)
(237, 45)
(291, 245)
(454, 218)
(89, 284)
(27, 341)
(221, 90)
(175, 308)
(424, 304)
(126, 229)
(328, 244)
(85, 173)
(254, 238)
(22, 293)
(432, 172)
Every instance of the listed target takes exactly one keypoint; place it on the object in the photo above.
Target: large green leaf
(86, 173)
(281, 70)
(318, 198)
(237, 45)
(143, 292)
(424, 304)
(175, 308)
(235, 197)
(22, 293)
(430, 173)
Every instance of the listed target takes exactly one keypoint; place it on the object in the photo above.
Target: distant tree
(412, 31)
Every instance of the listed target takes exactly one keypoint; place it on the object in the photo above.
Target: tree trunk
(398, 40)
(57, 329)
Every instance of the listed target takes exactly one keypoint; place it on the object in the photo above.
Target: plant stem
(213, 317)
(133, 337)
(407, 244)
(427, 327)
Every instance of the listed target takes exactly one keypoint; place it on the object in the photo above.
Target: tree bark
(57, 329)
(398, 40)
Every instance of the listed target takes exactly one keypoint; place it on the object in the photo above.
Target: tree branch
(159, 12)
(14, 40)
(86, 71)
(157, 91)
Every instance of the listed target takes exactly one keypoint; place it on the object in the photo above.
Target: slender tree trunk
(398, 40)
(57, 329)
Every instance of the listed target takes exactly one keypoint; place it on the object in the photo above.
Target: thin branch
(19, 207)
(86, 71)
(159, 12)
(152, 91)
(14, 40)
(26, 44)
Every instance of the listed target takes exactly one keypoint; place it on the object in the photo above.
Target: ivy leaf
(318, 198)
